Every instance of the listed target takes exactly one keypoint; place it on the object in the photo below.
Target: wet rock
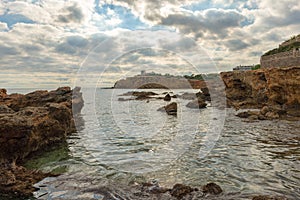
(123, 99)
(180, 190)
(243, 114)
(153, 187)
(18, 181)
(196, 104)
(212, 188)
(205, 91)
(248, 114)
(167, 97)
(264, 114)
(139, 95)
(171, 108)
(266, 197)
(272, 115)
(29, 123)
(136, 93)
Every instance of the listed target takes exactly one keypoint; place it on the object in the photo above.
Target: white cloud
(3, 26)
(56, 36)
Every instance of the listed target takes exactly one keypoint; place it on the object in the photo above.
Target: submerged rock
(180, 190)
(212, 188)
(196, 104)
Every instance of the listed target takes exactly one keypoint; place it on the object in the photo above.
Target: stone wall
(283, 59)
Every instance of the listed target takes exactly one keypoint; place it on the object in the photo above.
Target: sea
(124, 143)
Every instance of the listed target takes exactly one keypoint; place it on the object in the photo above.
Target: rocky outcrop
(109, 190)
(277, 90)
(29, 123)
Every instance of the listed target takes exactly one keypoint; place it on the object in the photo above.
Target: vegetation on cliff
(289, 45)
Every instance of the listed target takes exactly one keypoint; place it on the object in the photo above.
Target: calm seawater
(130, 141)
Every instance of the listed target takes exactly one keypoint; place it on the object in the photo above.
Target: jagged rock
(171, 108)
(167, 97)
(196, 104)
(180, 190)
(212, 188)
(278, 88)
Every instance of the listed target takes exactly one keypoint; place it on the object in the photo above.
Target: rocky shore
(30, 123)
(274, 91)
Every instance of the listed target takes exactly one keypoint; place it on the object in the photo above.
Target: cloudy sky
(49, 43)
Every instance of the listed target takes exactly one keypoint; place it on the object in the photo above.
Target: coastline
(243, 91)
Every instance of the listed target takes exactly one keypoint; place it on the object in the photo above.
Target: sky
(51, 43)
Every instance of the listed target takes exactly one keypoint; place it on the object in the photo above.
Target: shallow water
(127, 142)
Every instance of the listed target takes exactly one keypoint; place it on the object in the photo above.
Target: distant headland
(158, 81)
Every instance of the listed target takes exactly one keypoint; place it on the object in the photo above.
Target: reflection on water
(132, 142)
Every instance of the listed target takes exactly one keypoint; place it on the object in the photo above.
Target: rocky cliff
(29, 123)
(276, 91)
(159, 82)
